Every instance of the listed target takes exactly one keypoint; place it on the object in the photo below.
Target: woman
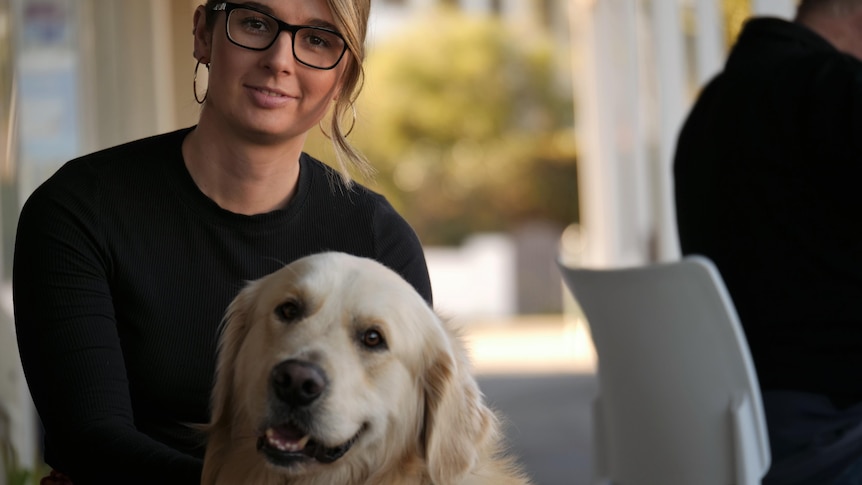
(126, 259)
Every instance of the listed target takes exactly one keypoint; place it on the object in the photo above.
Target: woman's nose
(279, 57)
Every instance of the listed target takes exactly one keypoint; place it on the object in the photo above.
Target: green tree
(469, 127)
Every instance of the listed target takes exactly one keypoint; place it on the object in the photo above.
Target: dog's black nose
(298, 383)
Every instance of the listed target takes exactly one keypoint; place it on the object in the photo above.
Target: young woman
(126, 259)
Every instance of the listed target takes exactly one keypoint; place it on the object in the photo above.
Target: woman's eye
(373, 339)
(289, 311)
(317, 39)
(255, 25)
(314, 40)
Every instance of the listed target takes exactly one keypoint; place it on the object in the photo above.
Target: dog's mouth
(287, 444)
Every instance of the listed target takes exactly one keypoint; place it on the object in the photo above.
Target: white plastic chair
(679, 402)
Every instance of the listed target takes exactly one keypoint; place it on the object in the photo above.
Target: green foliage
(468, 126)
(15, 475)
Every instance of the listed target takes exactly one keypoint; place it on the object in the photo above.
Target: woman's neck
(239, 176)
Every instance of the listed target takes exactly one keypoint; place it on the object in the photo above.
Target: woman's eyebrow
(321, 23)
(310, 22)
(259, 6)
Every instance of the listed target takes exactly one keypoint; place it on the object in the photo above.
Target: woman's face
(267, 95)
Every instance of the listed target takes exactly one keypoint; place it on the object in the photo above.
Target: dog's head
(336, 361)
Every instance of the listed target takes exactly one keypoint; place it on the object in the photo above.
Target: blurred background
(510, 133)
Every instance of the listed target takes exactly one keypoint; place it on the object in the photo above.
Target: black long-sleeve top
(768, 177)
(122, 272)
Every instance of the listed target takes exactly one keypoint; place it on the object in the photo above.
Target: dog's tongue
(287, 438)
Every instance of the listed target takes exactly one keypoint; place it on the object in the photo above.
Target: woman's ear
(202, 36)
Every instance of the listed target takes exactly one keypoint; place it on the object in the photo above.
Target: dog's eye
(373, 339)
(289, 311)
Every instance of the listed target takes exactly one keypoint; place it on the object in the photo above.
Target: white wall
(476, 280)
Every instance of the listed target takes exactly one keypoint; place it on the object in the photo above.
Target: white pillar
(126, 67)
(710, 41)
(775, 8)
(162, 77)
(613, 182)
(596, 170)
(667, 29)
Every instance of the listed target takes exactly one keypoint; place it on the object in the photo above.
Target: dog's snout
(298, 383)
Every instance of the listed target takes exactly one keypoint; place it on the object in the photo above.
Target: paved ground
(548, 423)
(539, 374)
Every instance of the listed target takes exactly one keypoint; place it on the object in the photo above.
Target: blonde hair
(351, 19)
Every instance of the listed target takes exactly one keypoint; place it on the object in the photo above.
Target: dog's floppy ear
(457, 421)
(234, 329)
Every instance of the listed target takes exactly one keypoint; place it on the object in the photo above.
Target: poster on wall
(47, 24)
(48, 87)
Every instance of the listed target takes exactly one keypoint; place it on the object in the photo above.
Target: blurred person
(767, 173)
(126, 259)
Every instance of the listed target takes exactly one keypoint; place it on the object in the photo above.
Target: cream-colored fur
(396, 377)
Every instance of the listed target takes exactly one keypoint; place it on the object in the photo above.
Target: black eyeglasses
(250, 28)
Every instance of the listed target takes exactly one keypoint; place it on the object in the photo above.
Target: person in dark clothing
(126, 259)
(767, 174)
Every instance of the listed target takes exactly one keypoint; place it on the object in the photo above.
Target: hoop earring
(349, 131)
(195, 83)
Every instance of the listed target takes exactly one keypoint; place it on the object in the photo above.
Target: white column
(595, 171)
(667, 29)
(710, 41)
(614, 208)
(775, 8)
(162, 73)
(123, 69)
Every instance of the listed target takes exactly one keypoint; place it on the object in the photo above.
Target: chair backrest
(679, 401)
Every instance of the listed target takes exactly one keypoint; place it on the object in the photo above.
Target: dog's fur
(379, 369)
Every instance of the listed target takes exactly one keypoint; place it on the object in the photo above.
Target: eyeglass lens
(316, 47)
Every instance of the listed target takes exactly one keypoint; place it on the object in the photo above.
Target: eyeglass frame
(228, 7)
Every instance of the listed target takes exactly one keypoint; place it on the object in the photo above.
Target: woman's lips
(269, 98)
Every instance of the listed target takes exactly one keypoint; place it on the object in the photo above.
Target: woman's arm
(70, 348)
(398, 247)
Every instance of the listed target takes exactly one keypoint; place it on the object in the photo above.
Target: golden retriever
(334, 371)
